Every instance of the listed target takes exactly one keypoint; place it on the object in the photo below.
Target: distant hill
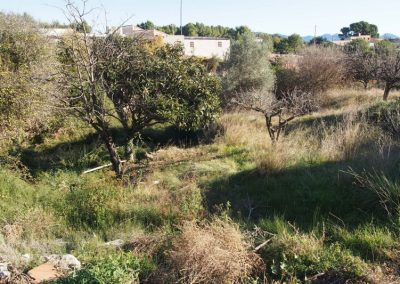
(334, 37)
(330, 37)
(389, 36)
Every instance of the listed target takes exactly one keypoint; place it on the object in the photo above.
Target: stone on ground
(43, 273)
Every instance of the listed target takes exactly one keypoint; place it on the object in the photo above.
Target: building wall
(201, 46)
(207, 47)
(193, 46)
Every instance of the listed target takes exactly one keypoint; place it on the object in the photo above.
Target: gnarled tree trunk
(388, 87)
(113, 153)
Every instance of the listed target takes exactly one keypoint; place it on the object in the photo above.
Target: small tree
(148, 25)
(388, 67)
(247, 68)
(127, 80)
(82, 27)
(149, 86)
(293, 44)
(278, 112)
(314, 71)
(360, 62)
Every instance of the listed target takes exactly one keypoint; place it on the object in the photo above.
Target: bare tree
(388, 70)
(361, 65)
(85, 96)
(315, 70)
(278, 112)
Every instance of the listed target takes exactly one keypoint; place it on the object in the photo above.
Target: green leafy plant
(113, 269)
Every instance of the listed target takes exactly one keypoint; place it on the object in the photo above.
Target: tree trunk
(268, 122)
(113, 153)
(386, 92)
(129, 146)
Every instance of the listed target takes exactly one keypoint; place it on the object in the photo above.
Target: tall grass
(327, 227)
(387, 190)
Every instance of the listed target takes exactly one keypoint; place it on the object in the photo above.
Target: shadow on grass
(89, 152)
(304, 195)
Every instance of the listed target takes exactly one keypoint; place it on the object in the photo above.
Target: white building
(207, 47)
(56, 33)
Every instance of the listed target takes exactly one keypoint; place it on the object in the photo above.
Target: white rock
(69, 261)
(26, 257)
(117, 243)
(3, 267)
(4, 273)
(156, 182)
(53, 258)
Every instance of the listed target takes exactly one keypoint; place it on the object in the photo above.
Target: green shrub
(332, 258)
(387, 115)
(369, 242)
(295, 255)
(88, 206)
(386, 190)
(113, 269)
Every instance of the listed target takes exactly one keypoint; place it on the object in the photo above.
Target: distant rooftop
(205, 38)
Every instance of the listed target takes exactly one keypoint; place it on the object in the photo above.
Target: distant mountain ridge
(389, 36)
(333, 37)
(330, 37)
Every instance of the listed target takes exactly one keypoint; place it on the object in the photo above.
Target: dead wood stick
(262, 245)
(99, 168)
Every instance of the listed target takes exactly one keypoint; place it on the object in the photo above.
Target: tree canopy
(362, 27)
(247, 68)
(293, 44)
(128, 80)
(199, 29)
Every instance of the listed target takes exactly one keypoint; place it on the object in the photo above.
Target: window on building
(191, 44)
(220, 44)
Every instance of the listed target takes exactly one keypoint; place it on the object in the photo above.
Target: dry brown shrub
(145, 244)
(213, 252)
(316, 70)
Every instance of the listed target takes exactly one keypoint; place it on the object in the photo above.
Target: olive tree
(113, 78)
(247, 68)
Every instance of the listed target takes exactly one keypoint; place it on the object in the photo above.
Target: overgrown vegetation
(207, 199)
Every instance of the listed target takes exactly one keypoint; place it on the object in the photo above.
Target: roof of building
(205, 38)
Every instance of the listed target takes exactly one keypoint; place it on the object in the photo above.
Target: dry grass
(338, 101)
(344, 140)
(244, 130)
(213, 252)
(326, 139)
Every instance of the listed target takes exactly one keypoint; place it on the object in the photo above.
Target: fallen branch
(315, 277)
(262, 245)
(99, 168)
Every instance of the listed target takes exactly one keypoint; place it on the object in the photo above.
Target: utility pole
(315, 35)
(181, 16)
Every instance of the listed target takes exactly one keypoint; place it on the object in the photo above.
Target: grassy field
(197, 210)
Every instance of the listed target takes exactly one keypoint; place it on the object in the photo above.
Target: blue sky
(273, 16)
